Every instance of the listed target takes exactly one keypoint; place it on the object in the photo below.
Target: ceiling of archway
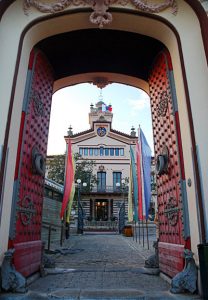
(95, 50)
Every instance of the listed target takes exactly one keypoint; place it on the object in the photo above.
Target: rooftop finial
(70, 132)
(101, 95)
(133, 132)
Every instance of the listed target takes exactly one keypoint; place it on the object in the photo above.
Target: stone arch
(163, 31)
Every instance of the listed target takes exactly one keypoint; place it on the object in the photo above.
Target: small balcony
(105, 190)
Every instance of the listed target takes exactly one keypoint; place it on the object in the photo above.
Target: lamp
(122, 209)
(80, 223)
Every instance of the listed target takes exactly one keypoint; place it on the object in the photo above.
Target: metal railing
(106, 189)
(52, 228)
(99, 225)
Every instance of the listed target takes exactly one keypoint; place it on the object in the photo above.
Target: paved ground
(104, 266)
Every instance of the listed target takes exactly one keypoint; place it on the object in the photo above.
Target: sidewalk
(100, 266)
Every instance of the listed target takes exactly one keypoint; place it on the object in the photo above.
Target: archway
(145, 23)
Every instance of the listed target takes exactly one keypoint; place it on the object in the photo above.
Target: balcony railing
(104, 190)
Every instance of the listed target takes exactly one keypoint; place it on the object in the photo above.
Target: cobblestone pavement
(100, 266)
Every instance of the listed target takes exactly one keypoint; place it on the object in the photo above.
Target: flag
(69, 180)
(103, 107)
(130, 207)
(109, 108)
(135, 184)
(71, 199)
(145, 172)
(139, 181)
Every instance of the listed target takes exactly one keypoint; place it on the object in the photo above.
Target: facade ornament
(153, 260)
(185, 281)
(204, 3)
(171, 211)
(11, 280)
(26, 210)
(38, 105)
(100, 16)
(38, 162)
(162, 106)
(100, 82)
(162, 161)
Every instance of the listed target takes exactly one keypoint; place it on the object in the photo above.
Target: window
(101, 151)
(116, 151)
(106, 151)
(91, 151)
(80, 151)
(111, 151)
(96, 151)
(85, 151)
(116, 178)
(122, 151)
(101, 177)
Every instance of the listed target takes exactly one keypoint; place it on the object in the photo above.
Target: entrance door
(25, 228)
(101, 210)
(173, 218)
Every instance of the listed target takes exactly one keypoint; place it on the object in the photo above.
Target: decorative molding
(100, 16)
(155, 8)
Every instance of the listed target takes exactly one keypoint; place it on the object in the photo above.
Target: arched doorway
(144, 24)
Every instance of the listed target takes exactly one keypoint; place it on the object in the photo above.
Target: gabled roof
(123, 134)
(79, 133)
(92, 130)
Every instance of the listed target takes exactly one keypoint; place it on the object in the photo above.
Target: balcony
(105, 190)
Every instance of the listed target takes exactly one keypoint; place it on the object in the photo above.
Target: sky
(71, 106)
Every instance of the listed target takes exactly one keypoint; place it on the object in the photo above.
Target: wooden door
(171, 184)
(25, 228)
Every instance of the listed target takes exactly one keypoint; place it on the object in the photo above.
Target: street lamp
(80, 223)
(122, 212)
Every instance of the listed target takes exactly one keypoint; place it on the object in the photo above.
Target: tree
(83, 170)
(56, 168)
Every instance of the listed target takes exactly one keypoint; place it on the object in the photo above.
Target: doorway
(101, 210)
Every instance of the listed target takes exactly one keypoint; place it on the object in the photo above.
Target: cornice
(100, 15)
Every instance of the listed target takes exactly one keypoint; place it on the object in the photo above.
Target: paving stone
(100, 267)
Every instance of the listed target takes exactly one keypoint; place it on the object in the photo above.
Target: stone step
(99, 294)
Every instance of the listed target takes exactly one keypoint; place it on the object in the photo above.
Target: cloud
(138, 104)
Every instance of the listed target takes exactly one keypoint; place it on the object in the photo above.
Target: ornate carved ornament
(26, 210)
(171, 211)
(99, 16)
(162, 106)
(38, 105)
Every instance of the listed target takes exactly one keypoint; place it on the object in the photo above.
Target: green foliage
(57, 168)
(83, 170)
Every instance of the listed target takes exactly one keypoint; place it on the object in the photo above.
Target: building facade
(110, 151)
